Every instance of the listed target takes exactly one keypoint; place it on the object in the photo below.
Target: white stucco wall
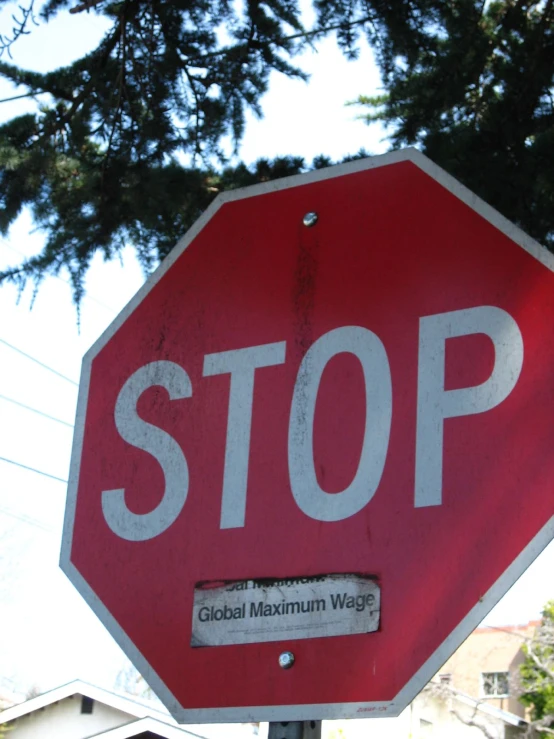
(64, 720)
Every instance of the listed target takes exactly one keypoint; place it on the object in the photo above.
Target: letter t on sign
(241, 365)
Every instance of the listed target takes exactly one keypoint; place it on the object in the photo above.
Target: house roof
(141, 725)
(480, 705)
(8, 698)
(127, 704)
(146, 716)
(485, 708)
(510, 628)
(143, 715)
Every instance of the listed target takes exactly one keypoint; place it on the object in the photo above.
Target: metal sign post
(294, 730)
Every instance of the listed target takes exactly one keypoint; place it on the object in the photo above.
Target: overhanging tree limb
(468, 82)
(113, 159)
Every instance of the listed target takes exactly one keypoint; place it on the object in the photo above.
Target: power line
(34, 359)
(35, 410)
(32, 469)
(26, 95)
(27, 519)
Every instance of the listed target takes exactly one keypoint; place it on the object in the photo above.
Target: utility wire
(34, 359)
(32, 469)
(35, 410)
(26, 95)
(26, 519)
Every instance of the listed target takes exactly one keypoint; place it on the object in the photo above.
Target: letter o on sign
(310, 497)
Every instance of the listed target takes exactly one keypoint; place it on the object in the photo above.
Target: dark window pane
(86, 704)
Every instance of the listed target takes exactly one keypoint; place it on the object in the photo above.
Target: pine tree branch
(121, 82)
(195, 61)
(192, 84)
(20, 29)
(64, 119)
(87, 5)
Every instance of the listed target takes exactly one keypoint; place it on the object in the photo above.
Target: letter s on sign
(154, 441)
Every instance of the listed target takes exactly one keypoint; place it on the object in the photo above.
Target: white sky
(49, 635)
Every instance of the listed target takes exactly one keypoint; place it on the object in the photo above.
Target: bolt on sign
(315, 449)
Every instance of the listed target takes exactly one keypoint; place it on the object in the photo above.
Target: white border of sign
(474, 617)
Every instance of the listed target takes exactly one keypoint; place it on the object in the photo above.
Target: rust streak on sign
(304, 288)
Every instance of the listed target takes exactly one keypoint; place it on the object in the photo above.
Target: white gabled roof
(8, 698)
(143, 715)
(134, 728)
(135, 708)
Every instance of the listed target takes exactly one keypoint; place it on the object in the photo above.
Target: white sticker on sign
(254, 611)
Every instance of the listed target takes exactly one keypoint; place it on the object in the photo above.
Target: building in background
(80, 710)
(436, 713)
(487, 664)
(474, 695)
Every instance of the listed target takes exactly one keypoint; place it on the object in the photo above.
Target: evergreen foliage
(470, 84)
(123, 148)
(537, 674)
(126, 146)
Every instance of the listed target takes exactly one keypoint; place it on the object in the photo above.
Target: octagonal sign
(316, 447)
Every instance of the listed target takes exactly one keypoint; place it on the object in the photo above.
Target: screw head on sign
(286, 660)
(310, 219)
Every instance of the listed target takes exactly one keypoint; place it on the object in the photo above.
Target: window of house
(495, 684)
(87, 704)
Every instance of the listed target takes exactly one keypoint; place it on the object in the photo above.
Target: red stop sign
(346, 373)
